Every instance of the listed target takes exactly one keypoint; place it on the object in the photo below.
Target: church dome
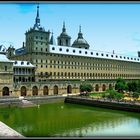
(80, 42)
(64, 33)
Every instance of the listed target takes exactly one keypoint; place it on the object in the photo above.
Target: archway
(5, 91)
(23, 91)
(35, 90)
(55, 91)
(45, 90)
(103, 87)
(97, 87)
(69, 89)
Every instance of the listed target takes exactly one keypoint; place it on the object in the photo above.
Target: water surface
(64, 119)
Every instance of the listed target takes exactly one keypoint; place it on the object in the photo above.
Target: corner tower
(36, 37)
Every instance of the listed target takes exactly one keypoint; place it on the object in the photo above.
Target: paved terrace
(7, 132)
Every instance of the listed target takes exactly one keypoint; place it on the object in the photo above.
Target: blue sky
(106, 27)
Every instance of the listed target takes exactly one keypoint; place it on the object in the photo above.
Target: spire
(63, 29)
(80, 35)
(80, 29)
(52, 41)
(37, 20)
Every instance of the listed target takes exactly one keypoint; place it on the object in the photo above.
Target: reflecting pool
(65, 120)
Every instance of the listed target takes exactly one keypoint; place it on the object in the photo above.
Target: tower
(36, 37)
(64, 39)
(80, 42)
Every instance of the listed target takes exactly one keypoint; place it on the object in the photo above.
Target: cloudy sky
(105, 26)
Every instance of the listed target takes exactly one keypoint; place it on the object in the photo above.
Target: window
(5, 68)
(73, 51)
(111, 55)
(85, 52)
(36, 37)
(124, 57)
(41, 38)
(41, 49)
(102, 54)
(60, 49)
(107, 55)
(80, 51)
(127, 57)
(120, 56)
(116, 56)
(46, 49)
(97, 54)
(53, 48)
(66, 42)
(36, 42)
(67, 50)
(91, 53)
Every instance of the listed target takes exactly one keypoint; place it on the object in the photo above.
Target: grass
(98, 94)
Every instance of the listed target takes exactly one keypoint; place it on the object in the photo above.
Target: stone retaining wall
(104, 104)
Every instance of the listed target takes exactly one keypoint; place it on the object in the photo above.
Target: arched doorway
(35, 90)
(103, 87)
(45, 90)
(23, 91)
(55, 91)
(97, 87)
(5, 91)
(69, 89)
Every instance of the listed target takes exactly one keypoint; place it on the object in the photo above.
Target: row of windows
(37, 37)
(42, 49)
(102, 54)
(89, 74)
(88, 68)
(41, 43)
(86, 64)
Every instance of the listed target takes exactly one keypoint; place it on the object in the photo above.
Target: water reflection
(72, 120)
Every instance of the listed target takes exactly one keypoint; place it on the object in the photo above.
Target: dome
(64, 33)
(80, 42)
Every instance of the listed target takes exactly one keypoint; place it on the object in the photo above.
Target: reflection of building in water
(61, 66)
(96, 128)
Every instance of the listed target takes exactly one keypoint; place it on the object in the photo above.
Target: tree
(121, 85)
(138, 86)
(86, 87)
(135, 95)
(132, 86)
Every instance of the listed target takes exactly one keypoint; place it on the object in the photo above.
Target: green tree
(138, 86)
(132, 86)
(121, 85)
(86, 87)
(135, 95)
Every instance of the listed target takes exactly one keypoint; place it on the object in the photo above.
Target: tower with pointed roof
(80, 42)
(64, 39)
(36, 37)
